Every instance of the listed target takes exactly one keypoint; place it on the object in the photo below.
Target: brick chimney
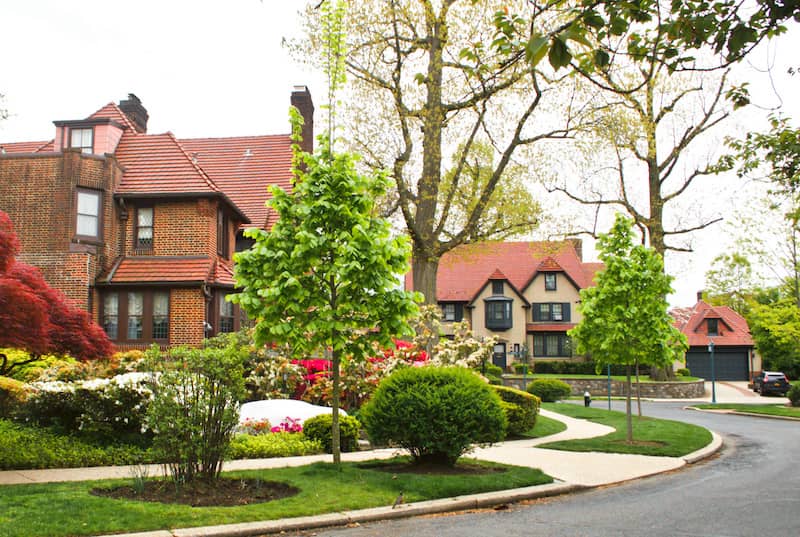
(137, 113)
(301, 99)
(699, 295)
(578, 245)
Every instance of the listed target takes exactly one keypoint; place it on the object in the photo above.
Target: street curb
(733, 412)
(444, 505)
(705, 452)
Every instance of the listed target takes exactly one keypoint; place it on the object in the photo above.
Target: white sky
(213, 68)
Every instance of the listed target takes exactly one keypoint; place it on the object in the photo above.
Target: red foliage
(35, 317)
(9, 244)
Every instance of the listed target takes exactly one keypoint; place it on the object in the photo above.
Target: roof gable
(733, 328)
(113, 112)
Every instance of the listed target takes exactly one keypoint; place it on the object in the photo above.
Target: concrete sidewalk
(572, 471)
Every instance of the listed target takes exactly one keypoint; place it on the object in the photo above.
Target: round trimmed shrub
(549, 390)
(794, 394)
(683, 372)
(521, 415)
(319, 428)
(12, 394)
(436, 413)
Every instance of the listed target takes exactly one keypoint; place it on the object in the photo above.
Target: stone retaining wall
(655, 390)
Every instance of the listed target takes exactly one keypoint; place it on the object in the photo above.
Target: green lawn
(62, 509)
(769, 410)
(545, 427)
(651, 436)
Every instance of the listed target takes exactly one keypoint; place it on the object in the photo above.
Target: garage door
(728, 365)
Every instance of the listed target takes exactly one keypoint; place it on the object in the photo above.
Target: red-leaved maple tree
(35, 317)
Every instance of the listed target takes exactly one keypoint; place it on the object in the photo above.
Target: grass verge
(769, 410)
(545, 427)
(651, 436)
(71, 510)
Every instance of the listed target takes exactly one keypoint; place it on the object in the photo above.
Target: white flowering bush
(106, 410)
(464, 350)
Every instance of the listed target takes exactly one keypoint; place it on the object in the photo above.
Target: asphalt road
(751, 488)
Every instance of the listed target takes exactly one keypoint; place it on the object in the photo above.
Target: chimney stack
(137, 113)
(578, 245)
(699, 295)
(301, 99)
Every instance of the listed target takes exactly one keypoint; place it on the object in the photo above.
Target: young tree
(35, 317)
(326, 275)
(625, 319)
(424, 80)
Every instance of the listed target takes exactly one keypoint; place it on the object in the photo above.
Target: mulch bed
(222, 492)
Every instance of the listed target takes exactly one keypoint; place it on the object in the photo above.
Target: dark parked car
(768, 382)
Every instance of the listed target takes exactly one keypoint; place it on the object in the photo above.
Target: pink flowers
(288, 425)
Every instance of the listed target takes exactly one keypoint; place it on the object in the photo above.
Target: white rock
(276, 410)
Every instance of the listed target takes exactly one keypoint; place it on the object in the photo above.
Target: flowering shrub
(107, 410)
(12, 394)
(288, 425)
(254, 427)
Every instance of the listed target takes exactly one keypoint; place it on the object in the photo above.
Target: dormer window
(550, 281)
(713, 327)
(82, 139)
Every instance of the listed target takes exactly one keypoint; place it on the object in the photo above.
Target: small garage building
(734, 358)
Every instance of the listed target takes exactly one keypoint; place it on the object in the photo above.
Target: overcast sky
(212, 68)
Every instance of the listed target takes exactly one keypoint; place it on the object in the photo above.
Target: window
(549, 281)
(448, 312)
(144, 228)
(551, 311)
(88, 221)
(498, 314)
(82, 139)
(222, 234)
(497, 287)
(111, 315)
(225, 315)
(713, 327)
(552, 345)
(161, 315)
(143, 315)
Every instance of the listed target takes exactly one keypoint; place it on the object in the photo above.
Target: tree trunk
(638, 390)
(424, 271)
(335, 447)
(628, 420)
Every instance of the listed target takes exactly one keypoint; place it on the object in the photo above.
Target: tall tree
(730, 282)
(424, 80)
(326, 275)
(625, 319)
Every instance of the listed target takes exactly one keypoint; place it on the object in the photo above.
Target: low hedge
(24, 447)
(521, 409)
(262, 446)
(549, 390)
(318, 429)
(794, 394)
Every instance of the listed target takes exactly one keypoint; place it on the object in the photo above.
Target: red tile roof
(152, 269)
(27, 147)
(733, 329)
(223, 272)
(113, 112)
(465, 270)
(245, 167)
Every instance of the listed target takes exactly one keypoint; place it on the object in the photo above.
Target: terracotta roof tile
(465, 270)
(151, 269)
(245, 167)
(112, 111)
(733, 329)
(223, 272)
(27, 147)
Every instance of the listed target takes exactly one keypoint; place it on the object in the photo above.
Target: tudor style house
(138, 228)
(523, 293)
(734, 356)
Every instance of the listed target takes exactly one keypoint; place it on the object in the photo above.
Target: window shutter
(459, 312)
(537, 313)
(565, 307)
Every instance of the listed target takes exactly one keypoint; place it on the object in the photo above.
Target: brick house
(138, 228)
(734, 355)
(524, 293)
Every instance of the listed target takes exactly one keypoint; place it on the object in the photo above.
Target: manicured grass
(545, 427)
(61, 509)
(621, 378)
(769, 410)
(651, 436)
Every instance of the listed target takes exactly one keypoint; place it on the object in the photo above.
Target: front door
(499, 355)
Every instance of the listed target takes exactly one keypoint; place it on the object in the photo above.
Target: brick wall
(187, 312)
(180, 227)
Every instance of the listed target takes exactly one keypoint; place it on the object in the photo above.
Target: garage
(729, 363)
